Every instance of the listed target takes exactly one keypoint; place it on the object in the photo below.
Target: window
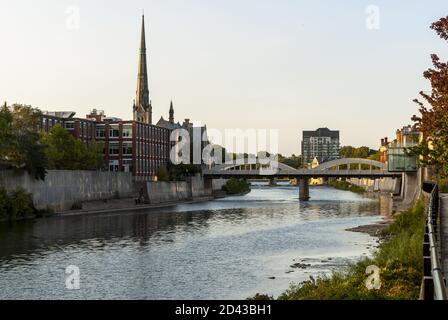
(100, 133)
(114, 148)
(127, 131)
(114, 132)
(69, 125)
(127, 148)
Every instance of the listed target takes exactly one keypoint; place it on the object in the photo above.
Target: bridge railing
(433, 284)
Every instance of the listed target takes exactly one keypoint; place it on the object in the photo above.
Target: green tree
(236, 186)
(347, 152)
(64, 152)
(292, 161)
(16, 205)
(20, 140)
(6, 135)
(93, 158)
(181, 171)
(162, 174)
(352, 152)
(433, 118)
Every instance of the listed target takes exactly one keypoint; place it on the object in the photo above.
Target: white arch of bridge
(349, 161)
(285, 168)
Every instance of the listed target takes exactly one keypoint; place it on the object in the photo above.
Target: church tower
(142, 108)
(171, 112)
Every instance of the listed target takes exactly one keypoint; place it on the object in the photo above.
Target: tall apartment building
(322, 144)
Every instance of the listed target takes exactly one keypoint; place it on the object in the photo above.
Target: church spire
(142, 106)
(171, 112)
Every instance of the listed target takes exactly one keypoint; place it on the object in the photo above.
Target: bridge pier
(304, 189)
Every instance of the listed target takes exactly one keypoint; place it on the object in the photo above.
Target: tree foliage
(20, 145)
(433, 118)
(353, 152)
(64, 152)
(182, 171)
(236, 186)
(163, 174)
(16, 205)
(292, 161)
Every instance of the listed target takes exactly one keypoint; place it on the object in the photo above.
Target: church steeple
(142, 107)
(171, 112)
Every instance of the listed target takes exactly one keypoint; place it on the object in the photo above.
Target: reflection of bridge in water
(364, 168)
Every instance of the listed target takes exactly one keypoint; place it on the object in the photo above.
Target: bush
(162, 174)
(399, 259)
(236, 186)
(346, 186)
(261, 297)
(443, 185)
(16, 205)
(181, 171)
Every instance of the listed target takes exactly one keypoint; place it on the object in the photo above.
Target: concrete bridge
(274, 169)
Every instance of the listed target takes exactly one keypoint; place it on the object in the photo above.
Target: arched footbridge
(341, 168)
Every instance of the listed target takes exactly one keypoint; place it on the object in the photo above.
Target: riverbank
(123, 205)
(196, 251)
(399, 259)
(346, 186)
(374, 230)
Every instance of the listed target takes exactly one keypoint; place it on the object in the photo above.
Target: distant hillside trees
(353, 152)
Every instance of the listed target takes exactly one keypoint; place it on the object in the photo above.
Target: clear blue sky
(291, 65)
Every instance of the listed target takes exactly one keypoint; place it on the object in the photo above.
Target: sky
(291, 65)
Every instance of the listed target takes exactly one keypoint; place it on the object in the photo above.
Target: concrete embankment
(95, 190)
(62, 189)
(406, 190)
(194, 188)
(387, 185)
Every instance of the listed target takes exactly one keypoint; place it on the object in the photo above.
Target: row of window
(114, 149)
(142, 133)
(148, 167)
(142, 149)
(143, 166)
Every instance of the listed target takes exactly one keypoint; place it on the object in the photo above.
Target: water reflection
(221, 249)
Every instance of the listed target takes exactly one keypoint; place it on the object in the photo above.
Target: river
(229, 248)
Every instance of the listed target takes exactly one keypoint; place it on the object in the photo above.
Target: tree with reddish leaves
(433, 118)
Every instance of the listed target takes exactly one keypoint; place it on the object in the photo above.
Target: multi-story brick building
(81, 129)
(133, 146)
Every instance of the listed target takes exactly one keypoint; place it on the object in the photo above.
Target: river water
(224, 249)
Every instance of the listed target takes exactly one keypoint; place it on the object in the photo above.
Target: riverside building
(322, 144)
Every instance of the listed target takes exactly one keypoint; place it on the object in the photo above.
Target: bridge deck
(303, 173)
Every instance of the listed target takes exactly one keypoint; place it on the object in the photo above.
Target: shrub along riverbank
(17, 205)
(346, 186)
(399, 259)
(236, 186)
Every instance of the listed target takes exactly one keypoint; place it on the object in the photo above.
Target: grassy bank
(399, 258)
(346, 186)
